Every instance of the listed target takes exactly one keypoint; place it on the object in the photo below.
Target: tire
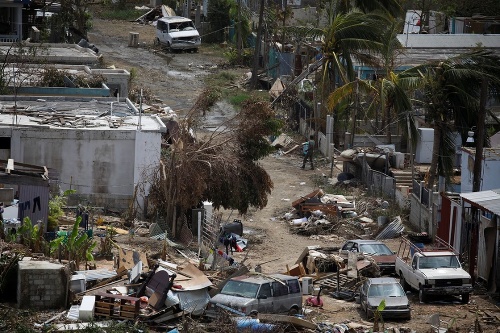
(254, 314)
(293, 311)
(404, 284)
(465, 298)
(422, 297)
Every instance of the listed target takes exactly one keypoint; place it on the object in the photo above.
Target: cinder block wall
(42, 285)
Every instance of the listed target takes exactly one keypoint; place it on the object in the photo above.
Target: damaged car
(259, 293)
(374, 290)
(177, 33)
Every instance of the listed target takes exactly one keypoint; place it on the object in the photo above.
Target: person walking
(308, 152)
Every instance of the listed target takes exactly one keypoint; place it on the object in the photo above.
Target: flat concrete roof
(422, 48)
(28, 264)
(53, 53)
(77, 113)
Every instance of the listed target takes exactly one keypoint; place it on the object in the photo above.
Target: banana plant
(377, 316)
(75, 246)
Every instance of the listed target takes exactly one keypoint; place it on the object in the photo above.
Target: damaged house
(102, 148)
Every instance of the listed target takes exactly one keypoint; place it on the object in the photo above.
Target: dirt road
(177, 80)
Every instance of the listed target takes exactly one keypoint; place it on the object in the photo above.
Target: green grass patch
(238, 99)
(113, 13)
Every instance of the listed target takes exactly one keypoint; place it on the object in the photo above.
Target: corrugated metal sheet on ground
(97, 274)
(73, 313)
(393, 229)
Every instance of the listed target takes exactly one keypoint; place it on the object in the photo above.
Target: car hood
(190, 33)
(231, 301)
(389, 301)
(385, 259)
(442, 273)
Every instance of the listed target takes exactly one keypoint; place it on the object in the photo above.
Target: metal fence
(378, 183)
(423, 194)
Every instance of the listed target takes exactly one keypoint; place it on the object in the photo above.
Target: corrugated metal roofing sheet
(487, 200)
(96, 274)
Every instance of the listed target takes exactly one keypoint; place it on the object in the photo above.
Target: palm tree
(391, 92)
(451, 95)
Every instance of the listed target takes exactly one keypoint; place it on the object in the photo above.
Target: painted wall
(101, 165)
(490, 167)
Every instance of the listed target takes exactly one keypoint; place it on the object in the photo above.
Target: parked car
(251, 294)
(177, 33)
(374, 290)
(383, 256)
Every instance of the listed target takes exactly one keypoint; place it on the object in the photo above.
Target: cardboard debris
(129, 258)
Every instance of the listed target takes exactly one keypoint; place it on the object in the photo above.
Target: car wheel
(422, 297)
(168, 48)
(293, 311)
(465, 298)
(404, 284)
(254, 314)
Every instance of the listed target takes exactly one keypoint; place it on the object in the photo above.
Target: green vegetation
(56, 204)
(123, 14)
(75, 245)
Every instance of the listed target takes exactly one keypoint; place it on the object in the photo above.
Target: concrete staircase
(403, 177)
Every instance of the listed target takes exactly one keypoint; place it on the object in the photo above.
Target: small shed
(481, 234)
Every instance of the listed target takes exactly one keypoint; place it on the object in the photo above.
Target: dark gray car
(251, 294)
(374, 290)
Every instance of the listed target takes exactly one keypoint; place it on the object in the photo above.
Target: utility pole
(257, 47)
(481, 117)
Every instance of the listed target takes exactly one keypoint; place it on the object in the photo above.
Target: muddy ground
(177, 79)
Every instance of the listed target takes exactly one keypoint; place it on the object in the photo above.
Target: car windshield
(241, 289)
(439, 262)
(386, 290)
(379, 249)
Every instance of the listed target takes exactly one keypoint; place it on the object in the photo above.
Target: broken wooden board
(287, 319)
(119, 231)
(82, 326)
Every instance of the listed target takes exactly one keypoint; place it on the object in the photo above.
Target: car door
(265, 299)
(413, 276)
(280, 297)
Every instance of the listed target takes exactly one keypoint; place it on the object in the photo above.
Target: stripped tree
(220, 166)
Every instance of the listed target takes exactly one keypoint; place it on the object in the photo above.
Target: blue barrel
(243, 323)
(415, 246)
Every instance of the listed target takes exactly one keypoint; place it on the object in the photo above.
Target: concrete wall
(101, 165)
(420, 216)
(42, 285)
(490, 167)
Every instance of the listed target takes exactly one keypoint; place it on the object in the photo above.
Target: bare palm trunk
(388, 124)
(435, 157)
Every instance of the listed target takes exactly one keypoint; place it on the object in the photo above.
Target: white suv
(177, 33)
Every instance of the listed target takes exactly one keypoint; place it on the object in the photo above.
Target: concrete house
(11, 27)
(101, 148)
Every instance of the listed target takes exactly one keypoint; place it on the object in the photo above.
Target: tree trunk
(478, 158)
(257, 47)
(436, 147)
(388, 124)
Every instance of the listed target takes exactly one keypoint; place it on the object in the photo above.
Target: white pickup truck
(432, 270)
